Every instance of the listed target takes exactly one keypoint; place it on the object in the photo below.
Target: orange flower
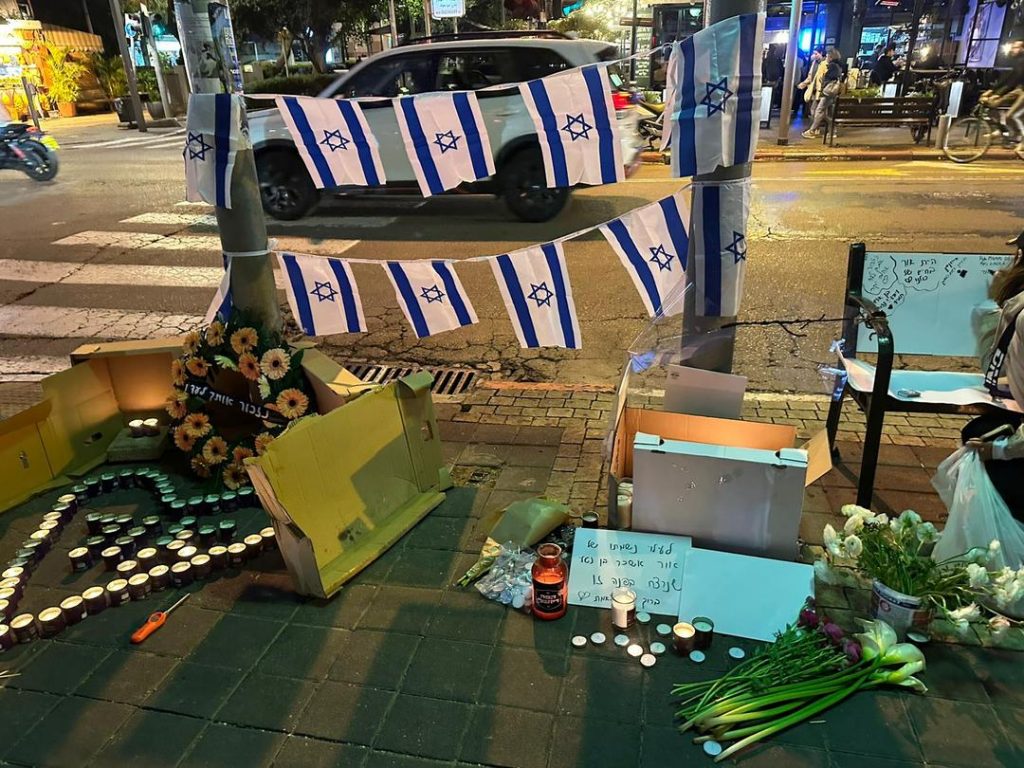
(244, 339)
(234, 476)
(197, 425)
(215, 334)
(292, 403)
(240, 453)
(177, 373)
(215, 451)
(263, 439)
(275, 363)
(200, 467)
(183, 440)
(191, 342)
(198, 367)
(249, 366)
(176, 407)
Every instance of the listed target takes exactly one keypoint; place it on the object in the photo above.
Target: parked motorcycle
(650, 120)
(24, 148)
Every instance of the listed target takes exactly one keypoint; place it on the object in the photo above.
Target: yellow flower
(244, 339)
(176, 407)
(197, 425)
(240, 453)
(198, 367)
(249, 366)
(275, 363)
(177, 373)
(215, 451)
(215, 334)
(263, 439)
(292, 403)
(200, 467)
(183, 440)
(191, 342)
(234, 476)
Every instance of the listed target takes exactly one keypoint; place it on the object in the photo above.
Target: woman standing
(831, 84)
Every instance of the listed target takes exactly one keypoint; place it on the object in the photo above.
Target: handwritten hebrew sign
(649, 564)
(928, 298)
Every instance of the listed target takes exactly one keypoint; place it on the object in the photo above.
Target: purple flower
(808, 618)
(852, 650)
(833, 632)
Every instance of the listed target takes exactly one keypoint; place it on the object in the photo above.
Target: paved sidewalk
(89, 129)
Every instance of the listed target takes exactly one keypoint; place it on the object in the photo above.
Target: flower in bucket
(275, 364)
(292, 403)
(244, 340)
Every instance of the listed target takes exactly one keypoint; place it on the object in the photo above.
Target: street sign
(447, 9)
(640, 22)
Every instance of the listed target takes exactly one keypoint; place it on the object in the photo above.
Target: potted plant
(909, 587)
(65, 74)
(110, 74)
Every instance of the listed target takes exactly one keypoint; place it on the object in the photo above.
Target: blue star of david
(334, 141)
(661, 257)
(541, 294)
(577, 127)
(324, 291)
(446, 141)
(719, 91)
(432, 294)
(738, 247)
(197, 147)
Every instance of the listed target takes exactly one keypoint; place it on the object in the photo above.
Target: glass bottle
(550, 583)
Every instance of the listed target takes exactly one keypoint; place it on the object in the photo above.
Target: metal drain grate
(447, 381)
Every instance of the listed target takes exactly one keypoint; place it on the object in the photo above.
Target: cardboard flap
(643, 439)
(819, 456)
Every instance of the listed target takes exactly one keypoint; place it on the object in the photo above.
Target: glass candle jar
(704, 631)
(683, 638)
(550, 583)
(623, 608)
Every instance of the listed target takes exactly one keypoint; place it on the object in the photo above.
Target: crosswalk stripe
(142, 275)
(131, 141)
(148, 241)
(30, 368)
(82, 323)
(210, 220)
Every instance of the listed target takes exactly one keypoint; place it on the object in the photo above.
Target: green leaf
(264, 386)
(225, 362)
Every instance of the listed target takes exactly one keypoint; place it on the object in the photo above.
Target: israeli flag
(431, 296)
(534, 283)
(714, 100)
(651, 243)
(323, 294)
(214, 134)
(720, 214)
(334, 141)
(445, 139)
(577, 126)
(222, 304)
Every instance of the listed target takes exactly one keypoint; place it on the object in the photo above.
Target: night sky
(69, 13)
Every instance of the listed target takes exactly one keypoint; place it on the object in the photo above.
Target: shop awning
(74, 39)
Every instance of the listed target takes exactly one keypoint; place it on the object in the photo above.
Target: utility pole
(242, 227)
(718, 356)
(915, 23)
(426, 18)
(129, 65)
(88, 18)
(632, 47)
(393, 22)
(789, 76)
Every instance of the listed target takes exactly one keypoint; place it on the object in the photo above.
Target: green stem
(742, 717)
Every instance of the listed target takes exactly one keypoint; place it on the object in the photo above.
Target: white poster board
(889, 90)
(766, 104)
(749, 597)
(649, 564)
(956, 94)
(447, 9)
(928, 298)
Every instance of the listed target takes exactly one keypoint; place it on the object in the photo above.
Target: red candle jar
(550, 583)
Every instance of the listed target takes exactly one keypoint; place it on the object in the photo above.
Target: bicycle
(969, 138)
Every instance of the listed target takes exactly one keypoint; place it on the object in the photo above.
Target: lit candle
(683, 635)
(623, 608)
(136, 428)
(151, 426)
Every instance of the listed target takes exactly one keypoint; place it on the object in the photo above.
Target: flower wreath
(270, 370)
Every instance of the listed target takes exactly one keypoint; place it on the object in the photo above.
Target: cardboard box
(704, 393)
(343, 487)
(736, 486)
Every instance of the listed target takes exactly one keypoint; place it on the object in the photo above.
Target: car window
(393, 76)
(532, 63)
(472, 70)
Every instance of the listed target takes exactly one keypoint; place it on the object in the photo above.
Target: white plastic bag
(977, 513)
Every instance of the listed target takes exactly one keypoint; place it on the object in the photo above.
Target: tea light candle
(136, 428)
(623, 608)
(151, 427)
(683, 635)
(705, 630)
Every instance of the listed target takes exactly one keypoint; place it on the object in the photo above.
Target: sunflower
(183, 440)
(239, 453)
(292, 403)
(244, 339)
(263, 439)
(197, 425)
(249, 366)
(200, 467)
(275, 363)
(234, 476)
(176, 405)
(191, 342)
(198, 367)
(177, 373)
(215, 451)
(215, 334)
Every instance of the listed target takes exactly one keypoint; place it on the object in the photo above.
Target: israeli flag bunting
(323, 294)
(222, 304)
(714, 99)
(534, 283)
(214, 134)
(431, 296)
(334, 141)
(651, 243)
(719, 232)
(577, 126)
(445, 139)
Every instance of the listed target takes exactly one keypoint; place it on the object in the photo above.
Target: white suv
(451, 64)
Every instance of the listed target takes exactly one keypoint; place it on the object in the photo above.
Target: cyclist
(1010, 90)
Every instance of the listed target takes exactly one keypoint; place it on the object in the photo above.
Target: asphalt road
(108, 251)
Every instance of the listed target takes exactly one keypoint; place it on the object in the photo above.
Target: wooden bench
(902, 112)
(927, 305)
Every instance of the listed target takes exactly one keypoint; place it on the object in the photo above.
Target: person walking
(831, 78)
(809, 85)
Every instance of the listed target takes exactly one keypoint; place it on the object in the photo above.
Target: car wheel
(525, 189)
(286, 190)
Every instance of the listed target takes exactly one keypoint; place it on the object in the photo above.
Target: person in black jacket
(1010, 90)
(832, 75)
(884, 67)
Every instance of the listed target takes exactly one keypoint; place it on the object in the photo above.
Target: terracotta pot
(902, 612)
(68, 110)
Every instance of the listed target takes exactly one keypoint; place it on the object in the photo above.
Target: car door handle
(506, 113)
